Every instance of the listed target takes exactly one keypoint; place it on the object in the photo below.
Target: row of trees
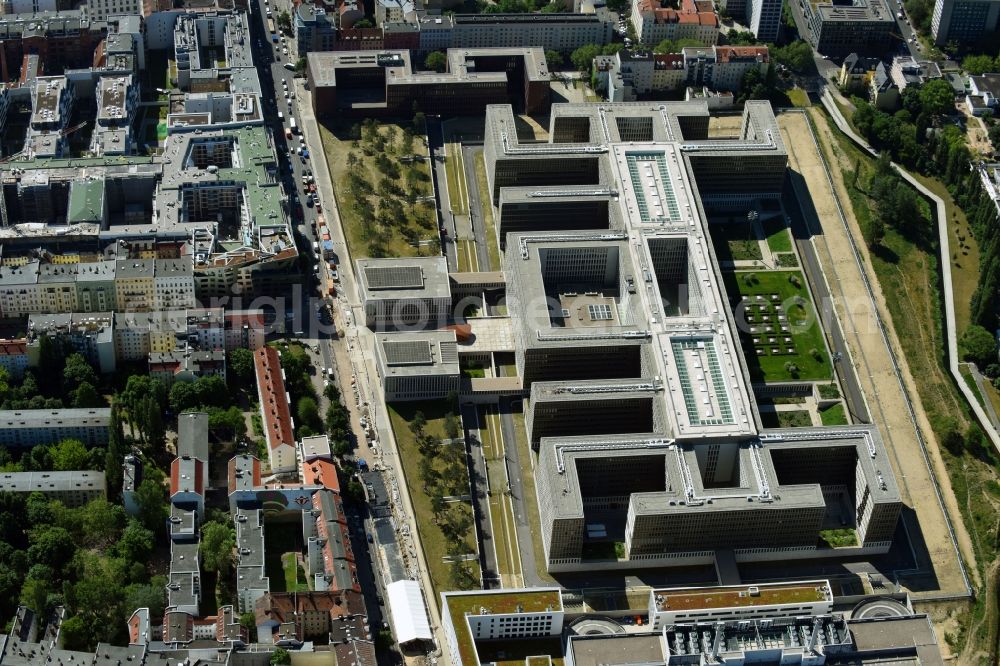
(443, 471)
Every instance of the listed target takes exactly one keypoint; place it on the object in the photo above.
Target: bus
(270, 29)
(291, 124)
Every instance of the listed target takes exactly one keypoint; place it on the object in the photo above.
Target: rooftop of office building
(756, 478)
(458, 605)
(418, 354)
(411, 277)
(741, 596)
(857, 10)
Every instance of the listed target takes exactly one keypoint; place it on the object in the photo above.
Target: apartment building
(72, 488)
(289, 619)
(14, 357)
(628, 74)
(101, 10)
(329, 557)
(252, 584)
(973, 23)
(406, 293)
(118, 101)
(695, 19)
(838, 29)
(275, 410)
(315, 30)
(90, 334)
(30, 427)
(51, 106)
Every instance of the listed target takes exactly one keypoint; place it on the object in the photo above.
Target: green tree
(240, 366)
(436, 60)
(147, 595)
(284, 20)
(980, 64)
(85, 397)
(69, 454)
(937, 97)
(280, 656)
(102, 522)
(249, 622)
(554, 59)
(363, 23)
(583, 57)
(300, 66)
(116, 451)
(77, 371)
(74, 633)
(308, 414)
(136, 542)
(151, 497)
(797, 56)
(994, 135)
(979, 346)
(51, 545)
(217, 543)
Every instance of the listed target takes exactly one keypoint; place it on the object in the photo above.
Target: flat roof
(501, 602)
(412, 277)
(742, 596)
(617, 649)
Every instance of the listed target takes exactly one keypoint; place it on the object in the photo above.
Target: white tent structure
(408, 611)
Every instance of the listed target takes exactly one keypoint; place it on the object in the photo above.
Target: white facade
(733, 602)
(101, 9)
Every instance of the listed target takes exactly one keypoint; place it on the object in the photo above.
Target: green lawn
(525, 456)
(839, 538)
(486, 205)
(778, 238)
(294, 575)
(456, 190)
(805, 331)
(281, 540)
(834, 415)
(735, 241)
(432, 539)
(799, 97)
(829, 391)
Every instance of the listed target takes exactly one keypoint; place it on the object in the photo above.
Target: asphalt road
(525, 538)
(435, 146)
(273, 74)
(481, 500)
(475, 211)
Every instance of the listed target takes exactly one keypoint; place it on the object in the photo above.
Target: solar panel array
(600, 312)
(408, 352)
(394, 277)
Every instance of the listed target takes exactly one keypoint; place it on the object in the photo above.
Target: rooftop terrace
(515, 601)
(743, 596)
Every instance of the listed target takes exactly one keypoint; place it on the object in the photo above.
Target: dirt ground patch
(871, 357)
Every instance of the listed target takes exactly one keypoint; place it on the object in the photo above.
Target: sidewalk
(357, 354)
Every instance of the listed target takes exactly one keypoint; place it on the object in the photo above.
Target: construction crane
(62, 134)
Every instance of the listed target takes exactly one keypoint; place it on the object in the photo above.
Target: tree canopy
(436, 60)
(979, 346)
